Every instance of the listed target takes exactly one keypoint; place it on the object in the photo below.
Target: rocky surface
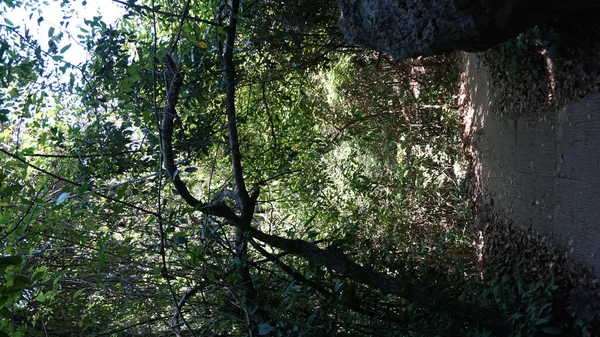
(410, 28)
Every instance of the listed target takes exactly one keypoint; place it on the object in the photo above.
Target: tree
(175, 183)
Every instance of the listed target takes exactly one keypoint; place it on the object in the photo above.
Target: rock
(410, 28)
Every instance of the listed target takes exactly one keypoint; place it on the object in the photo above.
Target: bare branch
(234, 145)
(175, 81)
(177, 311)
(351, 304)
(181, 22)
(141, 209)
(335, 260)
(51, 155)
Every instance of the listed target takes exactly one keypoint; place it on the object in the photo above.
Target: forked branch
(175, 80)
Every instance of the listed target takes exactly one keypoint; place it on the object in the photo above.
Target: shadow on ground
(542, 172)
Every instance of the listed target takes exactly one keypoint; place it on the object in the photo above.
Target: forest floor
(531, 115)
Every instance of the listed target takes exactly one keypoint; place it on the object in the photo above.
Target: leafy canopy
(129, 184)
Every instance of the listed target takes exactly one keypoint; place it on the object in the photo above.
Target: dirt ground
(541, 171)
(531, 117)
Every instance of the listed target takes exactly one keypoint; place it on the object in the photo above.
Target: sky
(52, 15)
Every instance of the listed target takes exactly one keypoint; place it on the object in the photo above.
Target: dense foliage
(120, 215)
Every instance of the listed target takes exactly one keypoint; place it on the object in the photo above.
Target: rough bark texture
(410, 28)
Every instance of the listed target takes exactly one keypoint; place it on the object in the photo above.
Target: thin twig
(157, 11)
(141, 209)
(184, 15)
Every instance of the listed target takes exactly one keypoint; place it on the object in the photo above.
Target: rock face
(410, 28)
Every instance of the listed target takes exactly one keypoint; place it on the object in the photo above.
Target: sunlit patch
(550, 69)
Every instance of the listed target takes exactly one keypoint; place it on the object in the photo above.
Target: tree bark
(335, 260)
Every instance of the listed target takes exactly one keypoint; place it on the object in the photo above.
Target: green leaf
(6, 313)
(180, 239)
(38, 274)
(51, 32)
(62, 197)
(252, 309)
(289, 288)
(41, 298)
(65, 48)
(13, 188)
(8, 22)
(550, 330)
(264, 329)
(544, 307)
(338, 287)
(84, 187)
(21, 281)
(4, 115)
(11, 260)
(78, 293)
(412, 306)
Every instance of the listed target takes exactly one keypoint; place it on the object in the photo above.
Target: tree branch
(140, 8)
(351, 304)
(335, 260)
(246, 203)
(330, 257)
(234, 145)
(181, 22)
(141, 209)
(177, 311)
(175, 82)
